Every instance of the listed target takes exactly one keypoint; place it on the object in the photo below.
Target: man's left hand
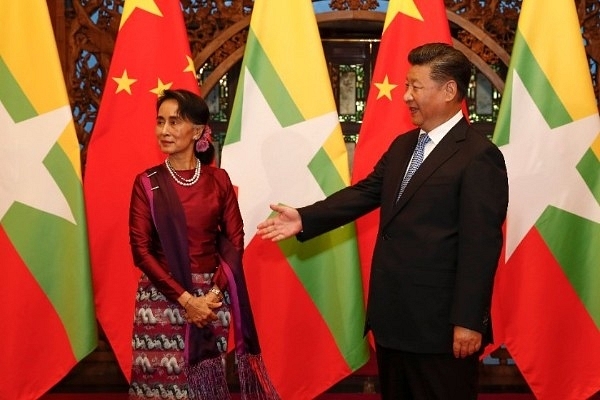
(466, 342)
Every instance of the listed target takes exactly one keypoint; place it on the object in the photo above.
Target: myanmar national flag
(546, 306)
(284, 144)
(151, 54)
(408, 24)
(48, 322)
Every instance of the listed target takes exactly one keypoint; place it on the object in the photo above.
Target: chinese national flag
(151, 54)
(408, 24)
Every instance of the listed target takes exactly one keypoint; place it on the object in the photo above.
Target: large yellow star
(130, 6)
(407, 7)
(190, 66)
(161, 87)
(385, 88)
(124, 82)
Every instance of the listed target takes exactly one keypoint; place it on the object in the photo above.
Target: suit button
(385, 236)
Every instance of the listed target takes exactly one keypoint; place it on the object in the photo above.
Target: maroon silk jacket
(210, 206)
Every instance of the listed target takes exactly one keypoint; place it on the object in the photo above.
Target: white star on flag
(270, 162)
(542, 166)
(23, 176)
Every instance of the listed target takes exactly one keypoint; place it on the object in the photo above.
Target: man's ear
(451, 90)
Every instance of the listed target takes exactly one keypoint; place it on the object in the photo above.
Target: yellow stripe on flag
(26, 65)
(559, 18)
(300, 78)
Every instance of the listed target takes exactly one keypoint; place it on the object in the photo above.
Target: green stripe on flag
(589, 168)
(12, 97)
(328, 260)
(66, 242)
(538, 85)
(234, 129)
(577, 256)
(325, 173)
(502, 130)
(270, 84)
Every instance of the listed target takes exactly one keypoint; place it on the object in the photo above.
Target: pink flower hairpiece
(203, 143)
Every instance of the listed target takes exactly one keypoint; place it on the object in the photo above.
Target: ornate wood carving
(353, 4)
(205, 23)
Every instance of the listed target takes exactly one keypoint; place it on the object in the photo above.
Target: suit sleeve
(483, 204)
(345, 205)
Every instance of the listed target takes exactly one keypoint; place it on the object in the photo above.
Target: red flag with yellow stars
(408, 24)
(151, 54)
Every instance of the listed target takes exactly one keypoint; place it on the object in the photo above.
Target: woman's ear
(198, 129)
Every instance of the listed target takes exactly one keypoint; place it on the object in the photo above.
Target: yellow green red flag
(284, 144)
(45, 291)
(545, 307)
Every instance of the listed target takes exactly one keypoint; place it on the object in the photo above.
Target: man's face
(427, 100)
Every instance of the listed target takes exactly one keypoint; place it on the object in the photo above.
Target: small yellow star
(190, 66)
(161, 87)
(124, 82)
(130, 6)
(385, 88)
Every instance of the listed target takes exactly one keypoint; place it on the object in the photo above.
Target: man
(439, 238)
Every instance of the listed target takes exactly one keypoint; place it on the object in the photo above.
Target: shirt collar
(438, 133)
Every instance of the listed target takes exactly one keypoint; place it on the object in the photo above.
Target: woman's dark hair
(446, 64)
(191, 107)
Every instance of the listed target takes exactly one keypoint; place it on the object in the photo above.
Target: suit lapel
(399, 169)
(447, 147)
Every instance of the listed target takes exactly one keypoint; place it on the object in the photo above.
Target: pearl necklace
(181, 180)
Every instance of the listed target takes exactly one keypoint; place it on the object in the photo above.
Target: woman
(182, 213)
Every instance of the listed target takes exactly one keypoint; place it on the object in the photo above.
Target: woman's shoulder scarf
(204, 366)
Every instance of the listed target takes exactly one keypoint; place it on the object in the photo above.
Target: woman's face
(175, 135)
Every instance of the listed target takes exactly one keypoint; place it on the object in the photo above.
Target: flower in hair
(202, 143)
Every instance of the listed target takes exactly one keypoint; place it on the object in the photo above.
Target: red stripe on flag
(282, 319)
(36, 344)
(545, 326)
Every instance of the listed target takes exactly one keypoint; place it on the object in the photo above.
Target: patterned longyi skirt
(158, 341)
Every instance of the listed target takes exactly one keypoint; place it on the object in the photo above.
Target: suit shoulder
(479, 137)
(481, 132)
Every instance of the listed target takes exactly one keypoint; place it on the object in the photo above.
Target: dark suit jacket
(437, 248)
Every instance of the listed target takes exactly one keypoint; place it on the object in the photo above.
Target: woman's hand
(199, 309)
(285, 224)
